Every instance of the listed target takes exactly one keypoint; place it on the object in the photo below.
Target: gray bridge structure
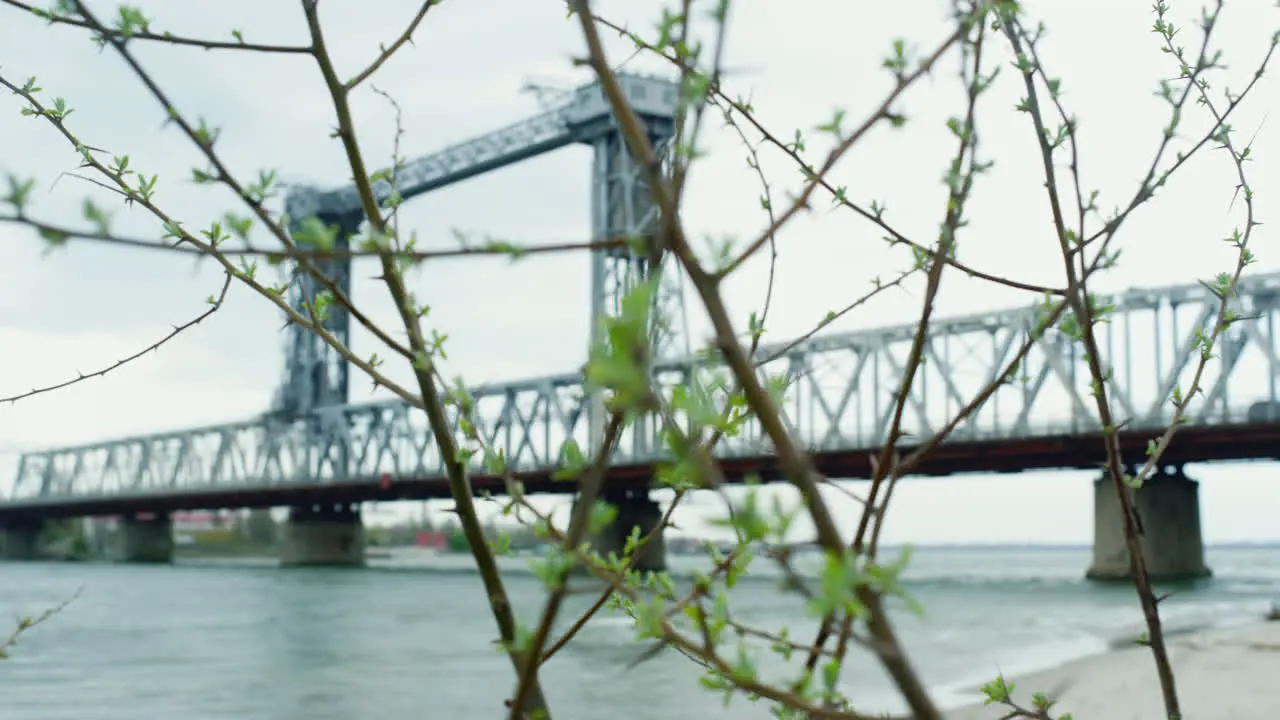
(321, 456)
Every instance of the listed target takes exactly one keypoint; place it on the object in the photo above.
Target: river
(414, 639)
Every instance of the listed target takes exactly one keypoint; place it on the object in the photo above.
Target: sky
(87, 305)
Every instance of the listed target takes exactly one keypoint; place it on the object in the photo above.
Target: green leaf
(997, 691)
(620, 363)
(502, 545)
(836, 593)
(601, 516)
(572, 461)
(649, 619)
(495, 462)
(53, 237)
(831, 674)
(19, 192)
(312, 232)
(551, 569)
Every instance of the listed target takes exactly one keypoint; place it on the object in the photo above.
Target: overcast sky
(85, 306)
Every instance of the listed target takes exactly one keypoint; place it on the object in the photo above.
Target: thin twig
(215, 304)
(276, 297)
(59, 233)
(730, 106)
(388, 51)
(25, 624)
(222, 174)
(589, 490)
(168, 38)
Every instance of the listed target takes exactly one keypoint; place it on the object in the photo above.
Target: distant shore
(1221, 673)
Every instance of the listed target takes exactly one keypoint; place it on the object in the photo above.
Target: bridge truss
(839, 399)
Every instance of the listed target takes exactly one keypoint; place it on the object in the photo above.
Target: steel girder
(839, 399)
(519, 141)
(570, 121)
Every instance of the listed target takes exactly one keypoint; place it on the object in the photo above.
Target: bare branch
(25, 624)
(103, 33)
(215, 304)
(57, 234)
(388, 51)
(423, 364)
(245, 275)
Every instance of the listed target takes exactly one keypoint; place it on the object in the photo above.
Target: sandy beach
(1222, 674)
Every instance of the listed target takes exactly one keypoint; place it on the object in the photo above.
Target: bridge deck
(1246, 441)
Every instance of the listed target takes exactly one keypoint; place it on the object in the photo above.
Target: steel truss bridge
(838, 403)
(314, 445)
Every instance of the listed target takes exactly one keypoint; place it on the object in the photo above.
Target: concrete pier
(142, 539)
(328, 535)
(1168, 506)
(635, 509)
(20, 540)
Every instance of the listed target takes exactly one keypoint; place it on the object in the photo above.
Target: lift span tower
(316, 376)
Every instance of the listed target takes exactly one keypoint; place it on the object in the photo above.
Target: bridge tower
(315, 375)
(316, 378)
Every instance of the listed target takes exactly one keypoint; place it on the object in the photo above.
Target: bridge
(321, 456)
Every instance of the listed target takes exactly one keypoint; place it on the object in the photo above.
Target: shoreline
(1221, 672)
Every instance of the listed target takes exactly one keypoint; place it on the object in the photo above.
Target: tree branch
(168, 38)
(215, 304)
(387, 52)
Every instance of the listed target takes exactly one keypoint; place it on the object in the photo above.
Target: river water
(414, 638)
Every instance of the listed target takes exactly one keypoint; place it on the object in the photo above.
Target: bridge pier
(635, 509)
(1168, 506)
(20, 540)
(324, 535)
(144, 539)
